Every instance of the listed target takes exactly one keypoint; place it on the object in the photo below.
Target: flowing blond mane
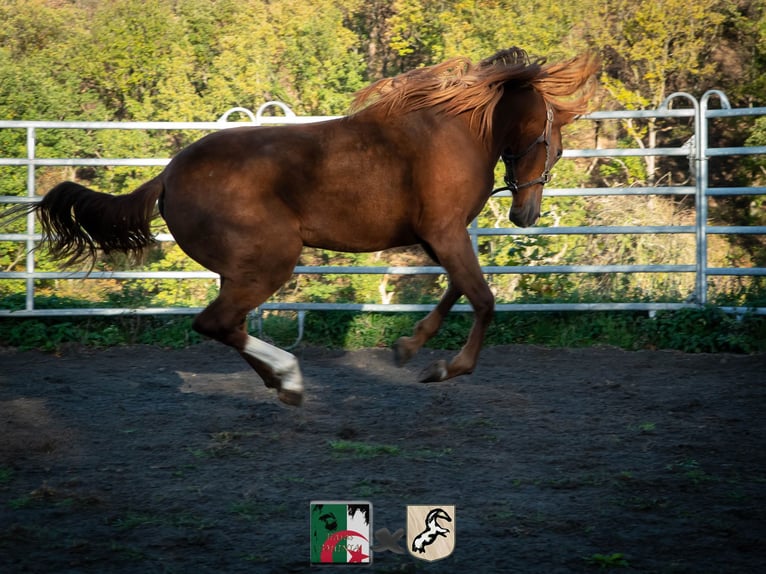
(458, 86)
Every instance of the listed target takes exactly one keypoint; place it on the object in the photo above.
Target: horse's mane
(459, 86)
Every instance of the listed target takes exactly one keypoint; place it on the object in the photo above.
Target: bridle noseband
(511, 182)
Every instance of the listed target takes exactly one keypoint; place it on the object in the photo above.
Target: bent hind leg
(224, 320)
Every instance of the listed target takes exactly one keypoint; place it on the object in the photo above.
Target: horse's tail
(77, 221)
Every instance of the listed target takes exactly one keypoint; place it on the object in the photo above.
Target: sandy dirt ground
(142, 460)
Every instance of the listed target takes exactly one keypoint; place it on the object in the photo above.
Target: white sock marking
(284, 364)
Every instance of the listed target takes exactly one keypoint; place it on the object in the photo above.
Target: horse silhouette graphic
(433, 530)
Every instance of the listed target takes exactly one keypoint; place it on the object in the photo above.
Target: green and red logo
(341, 532)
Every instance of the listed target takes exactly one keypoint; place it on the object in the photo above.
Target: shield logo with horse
(431, 531)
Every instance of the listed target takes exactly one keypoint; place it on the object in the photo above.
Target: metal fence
(696, 150)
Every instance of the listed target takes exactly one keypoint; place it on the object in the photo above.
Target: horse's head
(533, 137)
(530, 158)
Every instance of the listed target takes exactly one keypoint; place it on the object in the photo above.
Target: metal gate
(697, 150)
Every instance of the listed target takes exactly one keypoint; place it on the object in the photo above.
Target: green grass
(370, 489)
(6, 475)
(690, 330)
(133, 520)
(50, 334)
(691, 470)
(608, 561)
(21, 502)
(427, 453)
(249, 509)
(364, 450)
(355, 449)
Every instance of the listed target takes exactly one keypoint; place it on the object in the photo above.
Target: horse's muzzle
(525, 216)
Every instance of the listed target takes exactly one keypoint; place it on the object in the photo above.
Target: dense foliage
(190, 60)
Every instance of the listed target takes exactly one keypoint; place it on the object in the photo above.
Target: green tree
(317, 59)
(139, 62)
(203, 20)
(296, 52)
(652, 48)
(742, 54)
(417, 30)
(369, 21)
(36, 79)
(545, 28)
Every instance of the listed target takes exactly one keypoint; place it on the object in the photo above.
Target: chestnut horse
(412, 164)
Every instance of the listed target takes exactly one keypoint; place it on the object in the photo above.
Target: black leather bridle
(511, 182)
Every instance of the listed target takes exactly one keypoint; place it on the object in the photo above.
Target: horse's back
(341, 185)
(362, 183)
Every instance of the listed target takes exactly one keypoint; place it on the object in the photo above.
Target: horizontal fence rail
(696, 150)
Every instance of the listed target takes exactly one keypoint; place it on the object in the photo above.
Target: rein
(511, 181)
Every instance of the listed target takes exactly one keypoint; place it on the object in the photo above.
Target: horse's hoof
(402, 353)
(435, 373)
(291, 398)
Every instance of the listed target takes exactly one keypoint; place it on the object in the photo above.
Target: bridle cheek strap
(511, 181)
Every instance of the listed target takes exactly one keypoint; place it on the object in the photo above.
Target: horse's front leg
(459, 260)
(406, 347)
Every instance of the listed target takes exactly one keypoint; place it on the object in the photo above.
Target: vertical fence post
(472, 231)
(30, 243)
(700, 180)
(702, 186)
(700, 203)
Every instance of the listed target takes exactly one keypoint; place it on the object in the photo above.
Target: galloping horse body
(413, 164)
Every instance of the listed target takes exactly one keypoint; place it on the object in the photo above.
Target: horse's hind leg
(224, 320)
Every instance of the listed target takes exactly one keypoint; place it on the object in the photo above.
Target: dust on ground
(141, 459)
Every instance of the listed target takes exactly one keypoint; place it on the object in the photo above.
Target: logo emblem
(340, 532)
(430, 531)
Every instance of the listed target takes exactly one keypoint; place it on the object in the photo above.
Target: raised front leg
(406, 347)
(458, 259)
